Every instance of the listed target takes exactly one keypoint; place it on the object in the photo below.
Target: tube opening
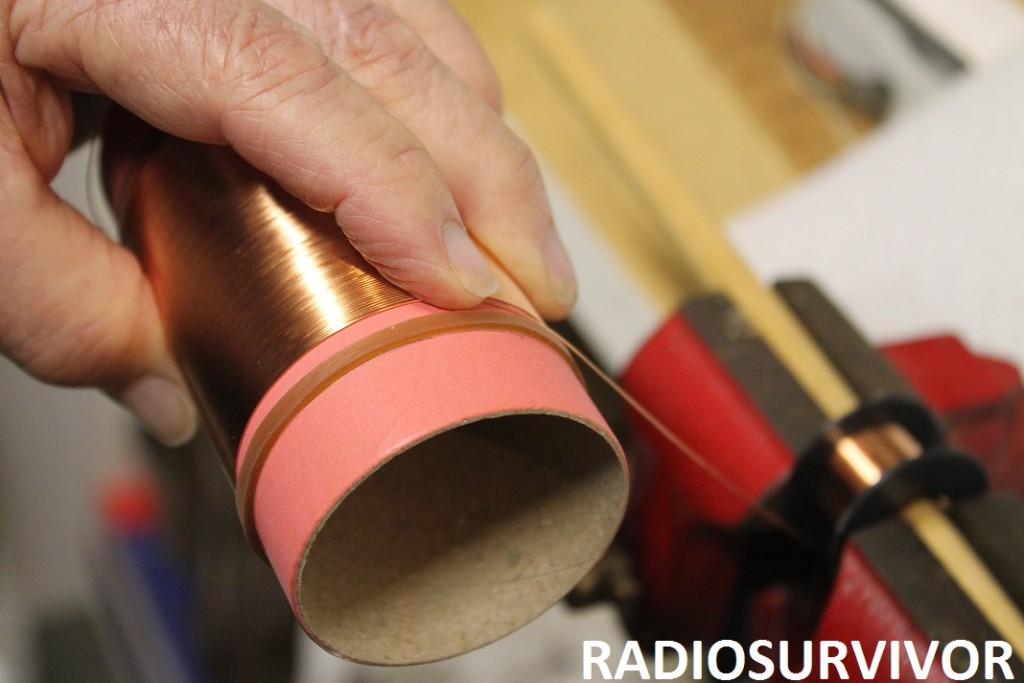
(461, 539)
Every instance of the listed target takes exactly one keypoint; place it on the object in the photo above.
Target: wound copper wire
(859, 460)
(287, 279)
(286, 276)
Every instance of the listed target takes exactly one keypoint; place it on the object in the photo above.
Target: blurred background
(871, 144)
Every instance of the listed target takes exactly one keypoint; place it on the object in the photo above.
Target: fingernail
(163, 408)
(561, 275)
(469, 265)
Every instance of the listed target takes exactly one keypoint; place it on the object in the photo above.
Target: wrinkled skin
(386, 113)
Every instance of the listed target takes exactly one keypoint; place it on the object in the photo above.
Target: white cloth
(920, 228)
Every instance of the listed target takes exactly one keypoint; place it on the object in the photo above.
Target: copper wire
(859, 460)
(862, 458)
(286, 277)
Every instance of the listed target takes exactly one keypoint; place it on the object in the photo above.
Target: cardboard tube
(422, 481)
(452, 510)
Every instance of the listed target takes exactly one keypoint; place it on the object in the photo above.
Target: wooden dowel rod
(705, 252)
(702, 249)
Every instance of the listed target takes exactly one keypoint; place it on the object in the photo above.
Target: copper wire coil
(248, 277)
(421, 481)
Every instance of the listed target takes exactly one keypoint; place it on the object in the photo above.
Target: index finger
(238, 72)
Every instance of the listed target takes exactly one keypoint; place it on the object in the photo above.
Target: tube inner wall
(461, 539)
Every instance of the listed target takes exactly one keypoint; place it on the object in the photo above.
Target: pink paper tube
(422, 481)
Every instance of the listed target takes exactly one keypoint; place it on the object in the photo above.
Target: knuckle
(71, 338)
(410, 159)
(89, 349)
(43, 351)
(248, 41)
(402, 164)
(524, 170)
(28, 24)
(490, 88)
(264, 60)
(371, 38)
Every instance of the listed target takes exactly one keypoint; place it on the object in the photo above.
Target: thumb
(77, 309)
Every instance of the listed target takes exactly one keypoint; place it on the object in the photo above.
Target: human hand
(385, 113)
